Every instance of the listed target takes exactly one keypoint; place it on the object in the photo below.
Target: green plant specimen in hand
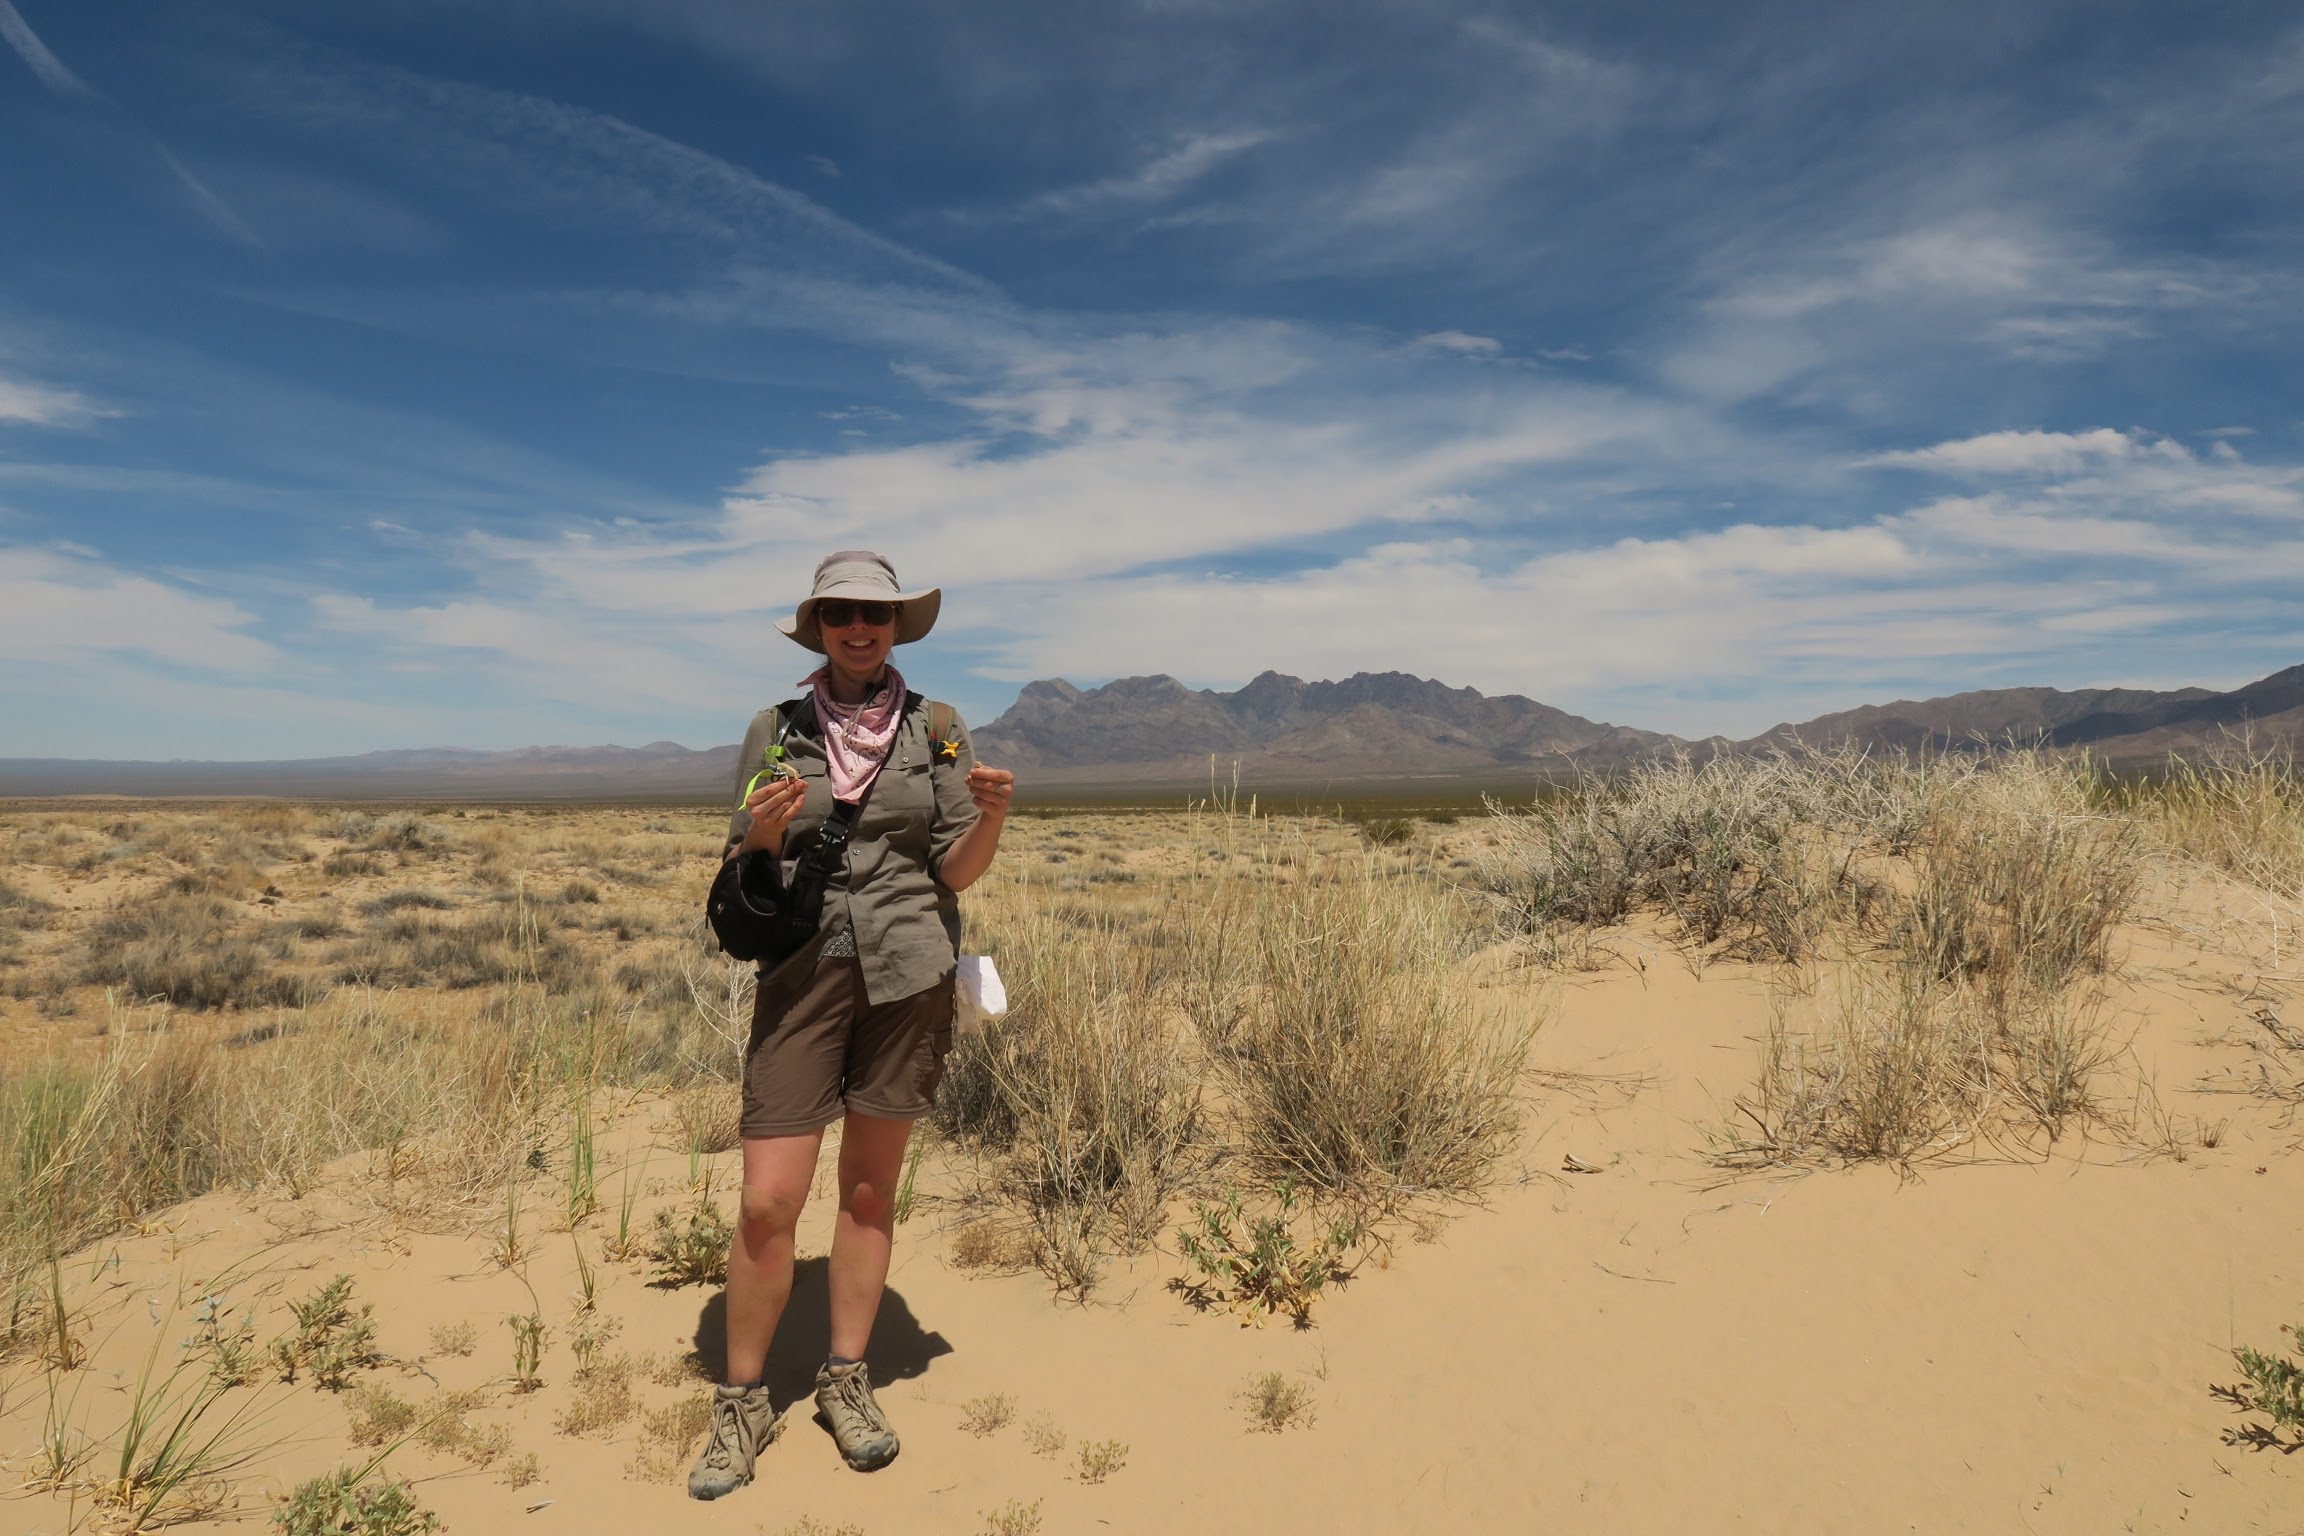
(772, 766)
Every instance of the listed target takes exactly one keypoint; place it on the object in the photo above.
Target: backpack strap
(939, 722)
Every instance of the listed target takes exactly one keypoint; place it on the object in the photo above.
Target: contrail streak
(59, 78)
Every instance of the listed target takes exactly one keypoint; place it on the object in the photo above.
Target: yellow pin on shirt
(948, 751)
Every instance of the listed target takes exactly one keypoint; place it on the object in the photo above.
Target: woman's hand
(773, 805)
(991, 789)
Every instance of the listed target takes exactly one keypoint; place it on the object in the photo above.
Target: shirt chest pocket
(902, 804)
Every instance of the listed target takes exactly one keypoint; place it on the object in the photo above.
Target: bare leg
(777, 1173)
(871, 1161)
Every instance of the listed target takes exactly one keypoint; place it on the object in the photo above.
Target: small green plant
(588, 1338)
(624, 1244)
(1014, 1518)
(527, 1351)
(233, 1355)
(345, 1503)
(1257, 1264)
(583, 1179)
(60, 1347)
(458, 1338)
(330, 1337)
(2272, 1385)
(980, 1416)
(510, 1247)
(1275, 1403)
(904, 1187)
(692, 1249)
(1100, 1459)
(587, 1296)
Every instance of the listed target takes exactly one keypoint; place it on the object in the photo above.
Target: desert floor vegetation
(375, 1165)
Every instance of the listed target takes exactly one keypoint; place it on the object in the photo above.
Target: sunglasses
(835, 613)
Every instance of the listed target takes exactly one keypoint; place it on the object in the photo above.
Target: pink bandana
(857, 736)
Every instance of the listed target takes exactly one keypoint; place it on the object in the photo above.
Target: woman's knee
(768, 1212)
(867, 1202)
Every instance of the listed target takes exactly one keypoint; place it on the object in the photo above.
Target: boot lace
(852, 1400)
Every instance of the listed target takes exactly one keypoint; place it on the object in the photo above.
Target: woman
(854, 1027)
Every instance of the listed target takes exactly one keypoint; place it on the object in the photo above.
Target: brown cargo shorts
(819, 1050)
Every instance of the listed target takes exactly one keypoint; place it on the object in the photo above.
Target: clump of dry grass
(1082, 1095)
(2019, 886)
(1359, 1057)
(1899, 1064)
(2238, 808)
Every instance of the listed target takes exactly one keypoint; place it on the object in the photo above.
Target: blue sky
(416, 372)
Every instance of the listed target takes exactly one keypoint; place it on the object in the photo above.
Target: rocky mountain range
(1280, 730)
(1370, 724)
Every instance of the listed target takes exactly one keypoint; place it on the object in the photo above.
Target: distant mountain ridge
(2122, 725)
(1368, 724)
(1279, 729)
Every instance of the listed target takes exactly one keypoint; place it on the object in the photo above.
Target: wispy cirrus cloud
(46, 405)
(1153, 182)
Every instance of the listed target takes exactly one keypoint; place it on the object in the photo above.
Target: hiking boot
(844, 1398)
(743, 1422)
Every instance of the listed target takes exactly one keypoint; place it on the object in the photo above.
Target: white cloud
(2025, 452)
(56, 606)
(45, 405)
(1153, 182)
(1460, 341)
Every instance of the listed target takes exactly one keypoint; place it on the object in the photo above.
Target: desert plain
(1809, 1146)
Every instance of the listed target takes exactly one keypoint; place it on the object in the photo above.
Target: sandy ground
(2004, 1343)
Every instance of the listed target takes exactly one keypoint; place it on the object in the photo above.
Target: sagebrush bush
(192, 950)
(485, 949)
(1726, 847)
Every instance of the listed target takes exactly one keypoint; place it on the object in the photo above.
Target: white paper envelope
(981, 994)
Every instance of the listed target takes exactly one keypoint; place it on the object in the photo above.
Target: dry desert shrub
(409, 948)
(1724, 846)
(192, 950)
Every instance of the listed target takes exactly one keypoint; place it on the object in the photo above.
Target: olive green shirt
(906, 921)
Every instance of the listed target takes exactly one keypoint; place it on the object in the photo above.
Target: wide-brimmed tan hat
(868, 578)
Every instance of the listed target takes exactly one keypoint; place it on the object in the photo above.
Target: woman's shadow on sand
(900, 1350)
